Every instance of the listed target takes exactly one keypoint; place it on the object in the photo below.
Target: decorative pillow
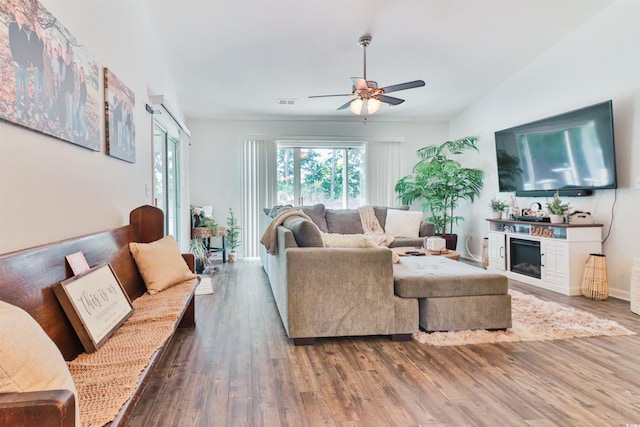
(403, 223)
(344, 221)
(381, 213)
(317, 215)
(160, 263)
(29, 359)
(332, 240)
(304, 231)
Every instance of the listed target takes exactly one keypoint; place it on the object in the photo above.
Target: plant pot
(451, 241)
(556, 219)
(231, 257)
(496, 215)
(199, 266)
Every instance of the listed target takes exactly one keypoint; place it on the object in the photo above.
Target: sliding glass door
(166, 177)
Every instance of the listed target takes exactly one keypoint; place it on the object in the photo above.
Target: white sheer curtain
(258, 189)
(383, 172)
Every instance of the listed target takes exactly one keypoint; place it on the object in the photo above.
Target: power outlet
(637, 182)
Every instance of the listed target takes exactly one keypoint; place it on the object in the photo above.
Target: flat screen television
(571, 153)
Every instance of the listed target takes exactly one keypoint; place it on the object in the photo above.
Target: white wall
(50, 189)
(216, 147)
(598, 62)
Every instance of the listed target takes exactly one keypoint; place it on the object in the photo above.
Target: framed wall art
(95, 303)
(49, 81)
(120, 129)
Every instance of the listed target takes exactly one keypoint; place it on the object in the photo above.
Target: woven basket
(202, 232)
(594, 281)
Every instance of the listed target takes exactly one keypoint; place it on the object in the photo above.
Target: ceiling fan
(366, 94)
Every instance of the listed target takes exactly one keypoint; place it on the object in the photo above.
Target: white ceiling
(233, 59)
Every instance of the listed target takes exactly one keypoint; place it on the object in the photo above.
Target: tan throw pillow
(29, 359)
(160, 263)
(403, 223)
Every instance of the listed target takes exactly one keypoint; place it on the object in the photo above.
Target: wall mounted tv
(571, 153)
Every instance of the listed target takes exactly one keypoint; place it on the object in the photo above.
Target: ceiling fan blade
(326, 96)
(389, 99)
(359, 83)
(345, 105)
(403, 86)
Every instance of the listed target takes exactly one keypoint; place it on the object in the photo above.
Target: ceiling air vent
(287, 101)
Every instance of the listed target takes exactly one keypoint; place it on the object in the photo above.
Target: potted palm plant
(557, 209)
(233, 235)
(441, 183)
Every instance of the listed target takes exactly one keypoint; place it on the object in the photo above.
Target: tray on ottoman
(452, 295)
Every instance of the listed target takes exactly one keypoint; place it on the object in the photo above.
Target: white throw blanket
(372, 228)
(374, 231)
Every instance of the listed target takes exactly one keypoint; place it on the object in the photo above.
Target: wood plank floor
(237, 368)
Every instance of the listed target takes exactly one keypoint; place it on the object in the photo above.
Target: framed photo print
(49, 79)
(95, 303)
(120, 129)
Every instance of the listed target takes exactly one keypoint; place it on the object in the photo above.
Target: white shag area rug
(533, 320)
(205, 287)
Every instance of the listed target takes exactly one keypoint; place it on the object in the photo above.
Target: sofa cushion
(344, 221)
(403, 223)
(306, 233)
(317, 215)
(160, 263)
(29, 360)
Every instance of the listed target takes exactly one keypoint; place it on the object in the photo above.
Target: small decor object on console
(497, 207)
(557, 209)
(579, 217)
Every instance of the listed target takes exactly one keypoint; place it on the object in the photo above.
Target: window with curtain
(332, 175)
(309, 172)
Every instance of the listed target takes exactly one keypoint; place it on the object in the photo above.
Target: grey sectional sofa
(330, 292)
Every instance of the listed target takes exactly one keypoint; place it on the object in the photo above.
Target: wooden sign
(95, 303)
(541, 231)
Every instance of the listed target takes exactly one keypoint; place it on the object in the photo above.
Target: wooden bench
(27, 278)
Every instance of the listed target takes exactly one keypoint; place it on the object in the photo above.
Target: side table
(206, 234)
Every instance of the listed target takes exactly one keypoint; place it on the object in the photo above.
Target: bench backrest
(27, 277)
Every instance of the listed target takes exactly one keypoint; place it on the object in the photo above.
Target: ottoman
(452, 295)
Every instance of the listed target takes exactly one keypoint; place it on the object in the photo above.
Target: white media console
(551, 256)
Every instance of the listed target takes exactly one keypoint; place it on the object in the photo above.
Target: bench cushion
(29, 360)
(105, 379)
(435, 276)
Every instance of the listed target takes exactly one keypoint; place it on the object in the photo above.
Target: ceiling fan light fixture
(359, 106)
(356, 106)
(373, 105)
